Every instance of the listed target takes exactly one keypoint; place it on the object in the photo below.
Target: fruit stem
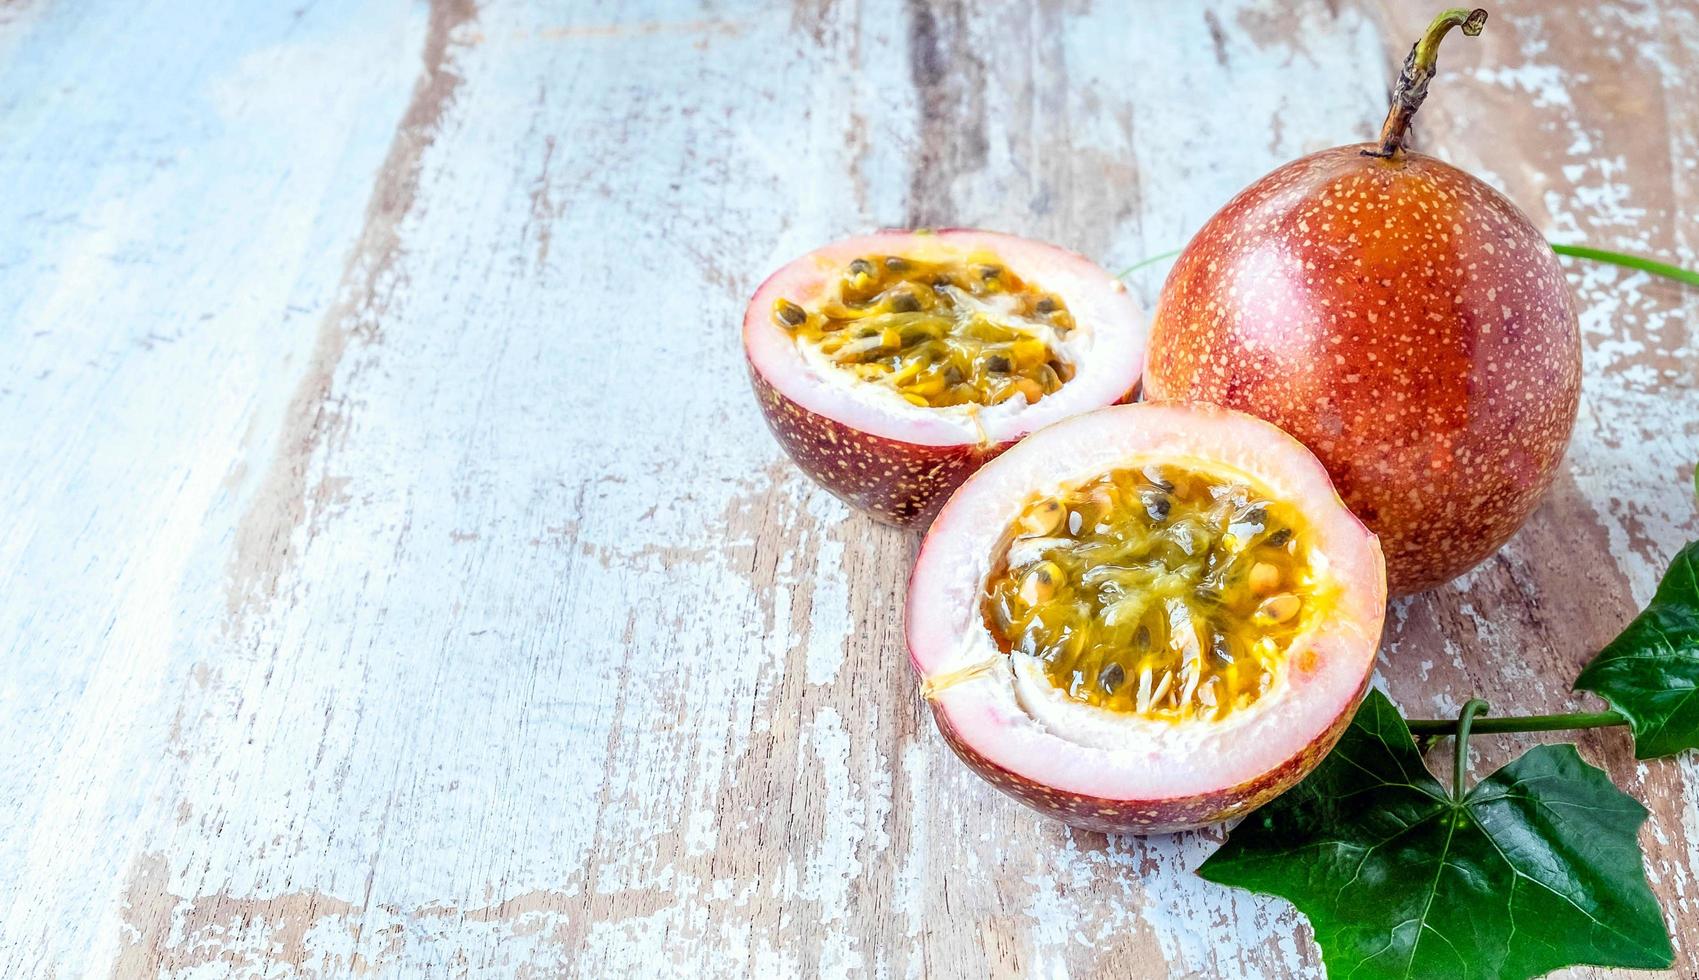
(1418, 71)
(1465, 719)
(1434, 727)
(1653, 266)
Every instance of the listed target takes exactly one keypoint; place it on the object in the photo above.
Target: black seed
(998, 364)
(1222, 651)
(990, 272)
(1258, 514)
(790, 312)
(1046, 305)
(1280, 537)
(1157, 506)
(861, 267)
(1141, 639)
(896, 263)
(953, 375)
(1110, 678)
(905, 302)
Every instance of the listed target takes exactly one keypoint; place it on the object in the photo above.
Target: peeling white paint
(829, 608)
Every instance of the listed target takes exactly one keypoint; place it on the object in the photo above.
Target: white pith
(1106, 346)
(1012, 714)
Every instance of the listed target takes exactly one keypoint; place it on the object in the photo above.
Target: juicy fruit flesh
(938, 333)
(1162, 591)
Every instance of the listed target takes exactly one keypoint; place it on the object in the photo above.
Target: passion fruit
(1146, 618)
(1399, 316)
(891, 366)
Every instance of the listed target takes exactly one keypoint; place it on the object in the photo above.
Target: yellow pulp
(939, 333)
(1162, 591)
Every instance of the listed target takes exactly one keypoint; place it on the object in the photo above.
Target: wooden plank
(402, 581)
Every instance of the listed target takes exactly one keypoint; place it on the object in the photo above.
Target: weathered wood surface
(397, 576)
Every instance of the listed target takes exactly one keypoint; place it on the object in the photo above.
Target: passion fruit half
(891, 366)
(1147, 618)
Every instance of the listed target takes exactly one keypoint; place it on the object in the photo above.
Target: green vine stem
(1141, 263)
(1653, 266)
(1465, 719)
(1435, 727)
(1418, 71)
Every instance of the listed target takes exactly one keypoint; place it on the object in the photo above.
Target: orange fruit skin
(1403, 320)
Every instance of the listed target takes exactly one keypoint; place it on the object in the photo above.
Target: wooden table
(399, 579)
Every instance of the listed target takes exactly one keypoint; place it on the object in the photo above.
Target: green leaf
(1650, 674)
(1537, 868)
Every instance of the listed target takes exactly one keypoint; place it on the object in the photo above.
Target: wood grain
(399, 580)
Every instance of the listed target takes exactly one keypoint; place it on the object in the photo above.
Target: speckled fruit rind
(1407, 323)
(907, 487)
(899, 462)
(1134, 775)
(894, 482)
(1152, 816)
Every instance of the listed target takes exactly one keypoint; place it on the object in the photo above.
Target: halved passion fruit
(891, 366)
(1147, 618)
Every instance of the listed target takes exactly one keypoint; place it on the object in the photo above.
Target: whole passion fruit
(891, 366)
(1147, 618)
(1401, 318)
